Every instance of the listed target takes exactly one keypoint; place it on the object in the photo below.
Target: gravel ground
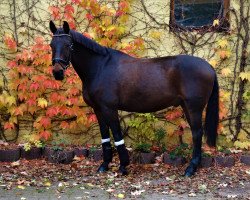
(39, 179)
(80, 192)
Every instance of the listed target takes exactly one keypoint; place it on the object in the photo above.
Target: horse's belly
(152, 104)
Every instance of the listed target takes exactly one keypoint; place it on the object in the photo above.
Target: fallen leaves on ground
(155, 178)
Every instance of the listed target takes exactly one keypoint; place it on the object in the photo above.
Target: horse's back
(147, 85)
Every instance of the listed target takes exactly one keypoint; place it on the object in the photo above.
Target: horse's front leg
(106, 146)
(111, 118)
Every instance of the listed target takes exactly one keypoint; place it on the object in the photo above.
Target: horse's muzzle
(59, 75)
(58, 72)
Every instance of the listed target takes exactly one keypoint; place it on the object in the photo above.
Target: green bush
(182, 150)
(143, 147)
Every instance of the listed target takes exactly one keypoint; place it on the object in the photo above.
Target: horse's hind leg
(193, 111)
(106, 146)
(112, 120)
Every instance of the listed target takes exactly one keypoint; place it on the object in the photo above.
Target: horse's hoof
(190, 171)
(103, 168)
(188, 174)
(123, 170)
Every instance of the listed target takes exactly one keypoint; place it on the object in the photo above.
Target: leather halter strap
(59, 60)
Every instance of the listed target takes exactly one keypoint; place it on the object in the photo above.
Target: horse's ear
(52, 27)
(66, 27)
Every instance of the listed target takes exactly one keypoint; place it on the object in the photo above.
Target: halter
(59, 60)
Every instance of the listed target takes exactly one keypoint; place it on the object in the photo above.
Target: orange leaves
(64, 11)
(89, 16)
(69, 8)
(42, 122)
(22, 96)
(55, 12)
(10, 42)
(76, 1)
(22, 87)
(32, 83)
(12, 64)
(73, 91)
(56, 97)
(174, 114)
(177, 118)
(22, 69)
(87, 35)
(53, 111)
(92, 118)
(66, 111)
(134, 48)
(68, 16)
(223, 111)
(40, 48)
(108, 23)
(138, 42)
(123, 8)
(39, 93)
(179, 131)
(52, 84)
(94, 7)
(39, 45)
(39, 40)
(9, 125)
(45, 134)
(25, 55)
(64, 125)
(45, 122)
(224, 54)
(34, 86)
(31, 102)
(73, 101)
(18, 111)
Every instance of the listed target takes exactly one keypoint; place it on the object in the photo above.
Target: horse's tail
(212, 115)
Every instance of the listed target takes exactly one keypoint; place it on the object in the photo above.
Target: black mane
(83, 40)
(90, 44)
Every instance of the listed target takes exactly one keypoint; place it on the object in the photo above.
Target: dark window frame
(223, 26)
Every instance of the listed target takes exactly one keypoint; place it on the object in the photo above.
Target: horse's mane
(90, 44)
(83, 40)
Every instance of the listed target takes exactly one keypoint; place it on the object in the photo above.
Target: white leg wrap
(119, 143)
(105, 140)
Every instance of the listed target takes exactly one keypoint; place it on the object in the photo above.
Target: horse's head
(61, 45)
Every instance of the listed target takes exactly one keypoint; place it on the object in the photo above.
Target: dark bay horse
(114, 81)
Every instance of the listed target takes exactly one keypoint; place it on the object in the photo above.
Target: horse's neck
(86, 62)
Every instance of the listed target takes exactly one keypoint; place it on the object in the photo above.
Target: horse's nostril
(61, 72)
(58, 74)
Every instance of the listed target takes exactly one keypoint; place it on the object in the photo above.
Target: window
(199, 14)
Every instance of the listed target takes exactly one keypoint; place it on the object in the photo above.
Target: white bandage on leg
(119, 143)
(105, 140)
